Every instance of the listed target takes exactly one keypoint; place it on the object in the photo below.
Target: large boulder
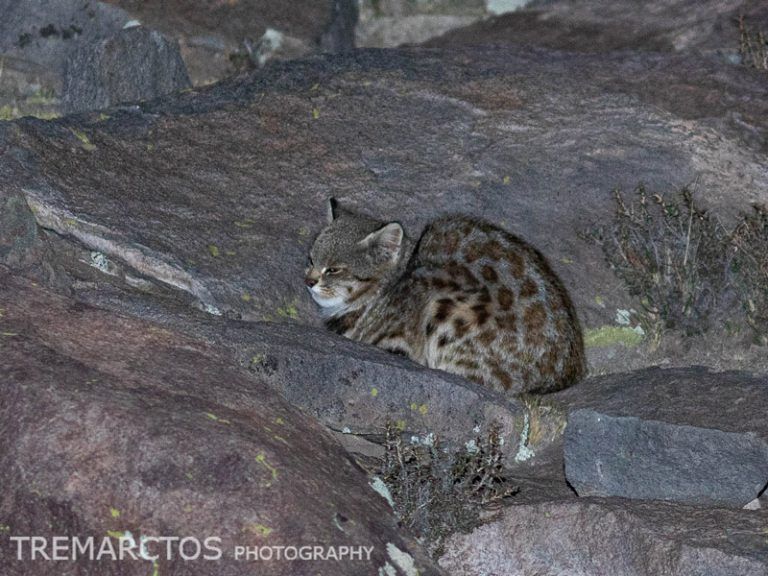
(688, 435)
(216, 194)
(117, 428)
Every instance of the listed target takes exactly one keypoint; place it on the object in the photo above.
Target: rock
(384, 32)
(349, 387)
(37, 39)
(48, 32)
(611, 536)
(134, 64)
(594, 26)
(19, 238)
(390, 23)
(359, 389)
(535, 141)
(687, 435)
(339, 36)
(214, 35)
(113, 425)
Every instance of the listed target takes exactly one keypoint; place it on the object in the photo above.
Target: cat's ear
(385, 243)
(336, 210)
(333, 209)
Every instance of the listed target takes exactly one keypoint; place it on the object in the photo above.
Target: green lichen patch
(420, 408)
(606, 336)
(215, 418)
(85, 142)
(261, 458)
(258, 529)
(288, 311)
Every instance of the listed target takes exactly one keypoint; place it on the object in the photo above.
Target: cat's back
(520, 327)
(457, 242)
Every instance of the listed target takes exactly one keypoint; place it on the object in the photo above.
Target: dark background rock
(49, 31)
(339, 36)
(210, 32)
(37, 39)
(596, 26)
(40, 39)
(687, 435)
(112, 424)
(132, 65)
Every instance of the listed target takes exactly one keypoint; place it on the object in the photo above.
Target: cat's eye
(332, 270)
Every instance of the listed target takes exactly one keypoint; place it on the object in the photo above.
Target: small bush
(689, 272)
(753, 47)
(673, 256)
(750, 245)
(438, 492)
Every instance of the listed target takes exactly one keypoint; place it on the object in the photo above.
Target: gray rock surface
(612, 536)
(37, 39)
(133, 64)
(597, 26)
(349, 387)
(390, 23)
(687, 435)
(48, 32)
(113, 425)
(359, 389)
(532, 140)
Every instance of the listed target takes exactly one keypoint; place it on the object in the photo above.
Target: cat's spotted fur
(468, 298)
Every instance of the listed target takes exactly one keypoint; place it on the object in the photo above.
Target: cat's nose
(310, 281)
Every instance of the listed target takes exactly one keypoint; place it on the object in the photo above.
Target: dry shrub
(673, 256)
(689, 272)
(438, 492)
(753, 47)
(750, 245)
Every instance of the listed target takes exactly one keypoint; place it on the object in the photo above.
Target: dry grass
(438, 492)
(753, 46)
(750, 245)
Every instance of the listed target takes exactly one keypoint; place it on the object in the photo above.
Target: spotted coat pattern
(476, 301)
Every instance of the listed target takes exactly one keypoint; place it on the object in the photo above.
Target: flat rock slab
(114, 425)
(687, 435)
(350, 387)
(358, 389)
(615, 537)
(218, 192)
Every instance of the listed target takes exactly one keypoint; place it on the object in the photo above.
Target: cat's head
(351, 259)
